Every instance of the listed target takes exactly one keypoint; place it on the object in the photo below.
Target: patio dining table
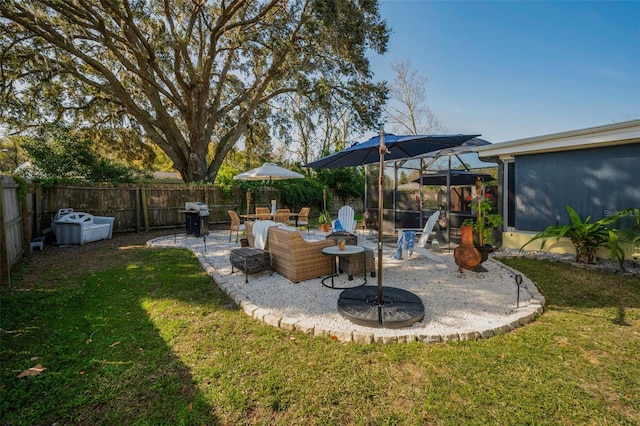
(258, 216)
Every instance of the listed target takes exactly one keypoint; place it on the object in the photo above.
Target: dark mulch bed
(58, 262)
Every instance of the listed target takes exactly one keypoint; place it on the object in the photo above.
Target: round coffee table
(348, 250)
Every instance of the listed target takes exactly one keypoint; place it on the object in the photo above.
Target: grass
(148, 338)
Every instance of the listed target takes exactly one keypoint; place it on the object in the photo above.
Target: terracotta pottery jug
(466, 255)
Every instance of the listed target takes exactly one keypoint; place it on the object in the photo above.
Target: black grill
(197, 218)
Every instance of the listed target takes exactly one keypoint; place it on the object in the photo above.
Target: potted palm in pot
(244, 240)
(485, 224)
(325, 221)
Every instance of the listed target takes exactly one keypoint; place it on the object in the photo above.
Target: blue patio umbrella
(398, 147)
(398, 308)
(454, 177)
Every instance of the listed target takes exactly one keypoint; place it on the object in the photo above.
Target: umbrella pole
(449, 204)
(383, 150)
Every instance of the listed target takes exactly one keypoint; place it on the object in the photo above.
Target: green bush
(58, 155)
(345, 182)
(587, 236)
(297, 193)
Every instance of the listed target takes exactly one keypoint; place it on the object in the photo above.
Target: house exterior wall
(596, 182)
(593, 170)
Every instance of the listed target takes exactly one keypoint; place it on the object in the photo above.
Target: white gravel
(458, 306)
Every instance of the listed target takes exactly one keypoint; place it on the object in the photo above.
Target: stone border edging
(254, 311)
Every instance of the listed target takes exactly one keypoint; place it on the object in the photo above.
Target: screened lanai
(414, 188)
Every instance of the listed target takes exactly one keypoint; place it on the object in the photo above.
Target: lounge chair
(420, 247)
(347, 219)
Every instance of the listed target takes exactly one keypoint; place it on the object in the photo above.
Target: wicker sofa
(292, 256)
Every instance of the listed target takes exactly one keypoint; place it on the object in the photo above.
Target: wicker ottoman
(352, 265)
(348, 237)
(250, 260)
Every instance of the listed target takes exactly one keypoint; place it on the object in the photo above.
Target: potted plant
(244, 241)
(485, 223)
(325, 221)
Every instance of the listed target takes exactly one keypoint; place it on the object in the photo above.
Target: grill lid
(195, 205)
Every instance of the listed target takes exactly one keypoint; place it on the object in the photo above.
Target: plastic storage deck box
(80, 228)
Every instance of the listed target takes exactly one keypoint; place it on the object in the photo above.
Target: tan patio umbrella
(269, 172)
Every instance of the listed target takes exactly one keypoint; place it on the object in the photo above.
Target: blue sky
(516, 69)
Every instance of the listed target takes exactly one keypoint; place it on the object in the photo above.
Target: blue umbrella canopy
(380, 149)
(457, 178)
(398, 147)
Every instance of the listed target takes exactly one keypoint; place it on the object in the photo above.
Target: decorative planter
(244, 242)
(325, 227)
(484, 251)
(466, 255)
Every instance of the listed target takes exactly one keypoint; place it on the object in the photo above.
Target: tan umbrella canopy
(268, 171)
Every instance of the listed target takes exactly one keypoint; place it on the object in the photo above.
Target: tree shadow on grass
(105, 337)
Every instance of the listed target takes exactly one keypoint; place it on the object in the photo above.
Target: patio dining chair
(263, 213)
(282, 216)
(303, 217)
(235, 224)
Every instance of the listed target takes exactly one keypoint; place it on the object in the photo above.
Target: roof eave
(608, 135)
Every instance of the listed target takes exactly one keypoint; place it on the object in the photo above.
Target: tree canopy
(192, 77)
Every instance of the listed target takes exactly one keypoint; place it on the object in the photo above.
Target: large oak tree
(190, 76)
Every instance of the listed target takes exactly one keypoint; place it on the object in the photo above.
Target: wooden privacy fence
(15, 221)
(28, 210)
(144, 207)
(135, 207)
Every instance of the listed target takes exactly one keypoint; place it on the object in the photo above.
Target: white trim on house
(592, 137)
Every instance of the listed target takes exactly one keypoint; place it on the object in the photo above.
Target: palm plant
(631, 235)
(586, 236)
(324, 218)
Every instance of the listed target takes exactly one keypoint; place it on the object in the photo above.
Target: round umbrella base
(400, 308)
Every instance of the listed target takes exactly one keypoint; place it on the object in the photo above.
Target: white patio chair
(420, 247)
(347, 218)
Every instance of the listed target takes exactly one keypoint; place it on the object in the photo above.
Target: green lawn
(149, 339)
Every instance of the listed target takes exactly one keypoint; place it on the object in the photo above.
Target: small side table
(348, 250)
(250, 260)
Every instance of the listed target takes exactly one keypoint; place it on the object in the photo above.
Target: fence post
(137, 213)
(145, 213)
(4, 257)
(38, 209)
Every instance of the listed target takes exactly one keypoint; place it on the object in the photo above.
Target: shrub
(58, 155)
(586, 236)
